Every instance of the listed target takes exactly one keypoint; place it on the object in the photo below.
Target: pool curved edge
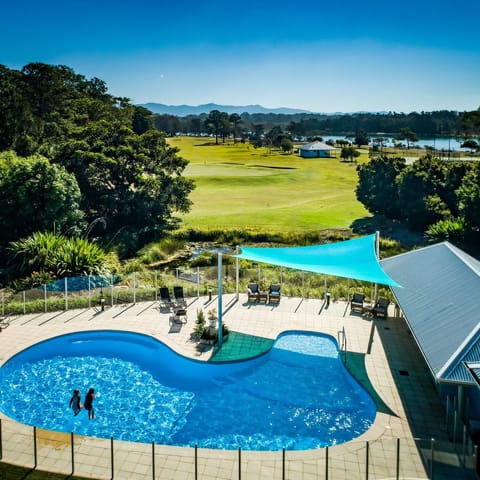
(93, 342)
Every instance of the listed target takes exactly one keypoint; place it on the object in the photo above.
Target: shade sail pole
(220, 313)
(237, 273)
(377, 253)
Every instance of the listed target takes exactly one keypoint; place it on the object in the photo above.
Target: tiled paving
(380, 351)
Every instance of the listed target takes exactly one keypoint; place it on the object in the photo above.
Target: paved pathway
(381, 354)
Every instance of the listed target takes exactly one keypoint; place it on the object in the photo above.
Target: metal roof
(440, 301)
(316, 146)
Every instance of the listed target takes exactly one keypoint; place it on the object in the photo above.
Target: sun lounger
(179, 297)
(165, 299)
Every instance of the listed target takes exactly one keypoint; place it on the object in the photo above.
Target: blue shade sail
(354, 258)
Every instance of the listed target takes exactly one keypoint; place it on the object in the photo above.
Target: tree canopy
(80, 154)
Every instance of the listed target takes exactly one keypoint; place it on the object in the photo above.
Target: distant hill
(184, 110)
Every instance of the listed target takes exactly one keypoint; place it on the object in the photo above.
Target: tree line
(438, 123)
(78, 161)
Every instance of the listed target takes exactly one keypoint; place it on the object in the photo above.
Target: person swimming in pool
(88, 403)
(75, 403)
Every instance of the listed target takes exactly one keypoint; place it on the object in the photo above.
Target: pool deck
(381, 354)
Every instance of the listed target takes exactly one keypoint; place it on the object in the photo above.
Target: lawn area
(239, 187)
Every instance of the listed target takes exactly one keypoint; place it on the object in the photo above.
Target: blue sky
(336, 56)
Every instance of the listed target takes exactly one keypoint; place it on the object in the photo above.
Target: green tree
(214, 123)
(235, 119)
(36, 195)
(133, 181)
(408, 135)
(349, 153)
(377, 185)
(469, 202)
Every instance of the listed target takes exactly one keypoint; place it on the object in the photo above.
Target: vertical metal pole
(198, 282)
(24, 302)
(45, 296)
(367, 454)
(239, 463)
(398, 459)
(73, 453)
(111, 455)
(220, 312)
(196, 462)
(34, 447)
(66, 293)
(237, 274)
(377, 251)
(303, 284)
(326, 463)
(464, 442)
(454, 428)
(111, 290)
(432, 458)
(89, 293)
(283, 463)
(153, 460)
(134, 278)
(447, 410)
(156, 285)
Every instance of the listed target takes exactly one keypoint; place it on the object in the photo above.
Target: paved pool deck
(381, 354)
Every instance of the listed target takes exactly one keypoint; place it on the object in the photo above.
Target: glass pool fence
(110, 290)
(391, 458)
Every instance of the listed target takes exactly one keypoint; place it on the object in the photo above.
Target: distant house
(315, 150)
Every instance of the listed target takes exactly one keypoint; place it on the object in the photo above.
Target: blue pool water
(296, 396)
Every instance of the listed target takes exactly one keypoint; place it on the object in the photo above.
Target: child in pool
(75, 403)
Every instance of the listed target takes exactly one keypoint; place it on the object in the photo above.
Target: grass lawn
(240, 187)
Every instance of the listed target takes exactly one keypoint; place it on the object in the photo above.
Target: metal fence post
(196, 462)
(283, 463)
(367, 452)
(239, 463)
(153, 460)
(326, 463)
(24, 302)
(34, 447)
(73, 453)
(45, 296)
(111, 455)
(134, 280)
(398, 459)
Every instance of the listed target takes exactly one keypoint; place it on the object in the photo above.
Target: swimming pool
(296, 396)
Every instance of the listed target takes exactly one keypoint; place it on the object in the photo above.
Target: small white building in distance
(316, 149)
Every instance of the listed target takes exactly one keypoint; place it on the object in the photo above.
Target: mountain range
(184, 110)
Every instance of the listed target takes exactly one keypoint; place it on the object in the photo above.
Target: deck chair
(274, 293)
(253, 292)
(356, 303)
(179, 298)
(381, 307)
(180, 315)
(165, 299)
